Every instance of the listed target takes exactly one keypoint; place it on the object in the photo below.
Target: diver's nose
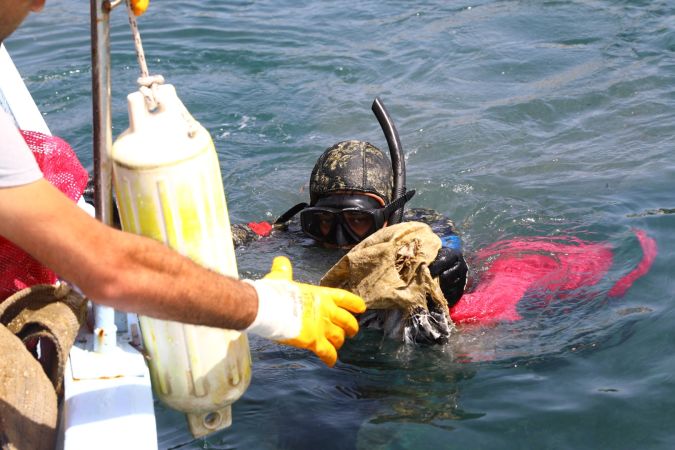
(340, 238)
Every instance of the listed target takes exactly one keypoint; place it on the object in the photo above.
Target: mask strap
(288, 215)
(393, 206)
(398, 203)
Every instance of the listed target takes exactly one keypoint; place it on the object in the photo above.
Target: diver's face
(13, 12)
(354, 225)
(359, 223)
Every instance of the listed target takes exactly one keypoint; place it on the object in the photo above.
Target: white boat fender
(169, 187)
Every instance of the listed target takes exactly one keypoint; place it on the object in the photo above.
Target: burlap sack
(52, 313)
(28, 405)
(29, 387)
(390, 269)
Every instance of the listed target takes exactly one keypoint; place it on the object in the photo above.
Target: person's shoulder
(441, 225)
(425, 215)
(242, 234)
(437, 221)
(17, 163)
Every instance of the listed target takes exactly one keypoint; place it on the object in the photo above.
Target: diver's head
(351, 189)
(350, 193)
(356, 166)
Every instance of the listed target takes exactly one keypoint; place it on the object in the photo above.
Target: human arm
(137, 274)
(449, 265)
(451, 270)
(118, 269)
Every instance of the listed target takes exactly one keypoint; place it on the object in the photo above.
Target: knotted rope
(148, 83)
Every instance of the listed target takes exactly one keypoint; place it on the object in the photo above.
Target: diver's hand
(451, 270)
(302, 315)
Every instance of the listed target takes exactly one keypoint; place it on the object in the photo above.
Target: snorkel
(356, 165)
(395, 152)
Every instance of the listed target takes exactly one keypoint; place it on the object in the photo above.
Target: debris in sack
(390, 271)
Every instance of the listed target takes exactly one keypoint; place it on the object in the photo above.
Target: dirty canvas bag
(30, 387)
(390, 271)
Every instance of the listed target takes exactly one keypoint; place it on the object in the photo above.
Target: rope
(148, 83)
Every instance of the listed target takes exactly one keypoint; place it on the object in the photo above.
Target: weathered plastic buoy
(169, 187)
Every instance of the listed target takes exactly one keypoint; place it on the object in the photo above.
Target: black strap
(288, 215)
(391, 207)
(398, 203)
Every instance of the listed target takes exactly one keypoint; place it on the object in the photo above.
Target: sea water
(518, 118)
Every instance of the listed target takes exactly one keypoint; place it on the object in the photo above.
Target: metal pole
(104, 316)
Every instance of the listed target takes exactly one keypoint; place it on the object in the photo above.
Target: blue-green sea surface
(518, 118)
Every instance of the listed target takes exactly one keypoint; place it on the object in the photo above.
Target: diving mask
(345, 220)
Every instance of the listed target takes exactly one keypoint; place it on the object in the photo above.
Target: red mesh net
(555, 268)
(60, 167)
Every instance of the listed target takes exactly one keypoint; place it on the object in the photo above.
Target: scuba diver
(355, 190)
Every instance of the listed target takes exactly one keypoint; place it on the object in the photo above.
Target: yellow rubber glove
(305, 316)
(139, 6)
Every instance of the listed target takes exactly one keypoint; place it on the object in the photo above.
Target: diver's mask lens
(345, 220)
(332, 225)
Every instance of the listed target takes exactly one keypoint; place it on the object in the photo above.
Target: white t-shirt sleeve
(17, 163)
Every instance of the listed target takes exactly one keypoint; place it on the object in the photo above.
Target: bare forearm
(114, 268)
(151, 279)
(134, 273)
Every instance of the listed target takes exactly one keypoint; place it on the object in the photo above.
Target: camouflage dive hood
(360, 167)
(351, 166)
